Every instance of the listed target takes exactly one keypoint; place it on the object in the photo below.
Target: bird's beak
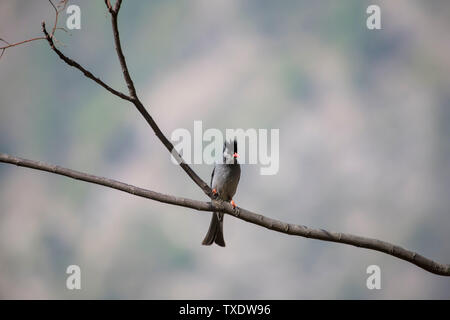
(235, 155)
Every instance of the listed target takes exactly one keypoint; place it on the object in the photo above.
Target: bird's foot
(233, 204)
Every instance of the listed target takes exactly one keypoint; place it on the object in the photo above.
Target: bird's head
(230, 153)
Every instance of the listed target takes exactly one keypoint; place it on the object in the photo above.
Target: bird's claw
(233, 204)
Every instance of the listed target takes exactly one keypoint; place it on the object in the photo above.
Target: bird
(224, 181)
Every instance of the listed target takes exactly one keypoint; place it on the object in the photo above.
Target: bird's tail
(215, 231)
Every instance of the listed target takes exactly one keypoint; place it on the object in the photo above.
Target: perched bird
(224, 181)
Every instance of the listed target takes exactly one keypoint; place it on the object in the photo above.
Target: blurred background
(364, 148)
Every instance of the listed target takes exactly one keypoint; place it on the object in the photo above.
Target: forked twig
(62, 5)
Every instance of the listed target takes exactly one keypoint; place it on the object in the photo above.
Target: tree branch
(215, 205)
(133, 98)
(75, 64)
(243, 214)
(123, 64)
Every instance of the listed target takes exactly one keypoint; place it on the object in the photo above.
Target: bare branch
(123, 64)
(132, 91)
(117, 6)
(18, 43)
(108, 5)
(38, 165)
(4, 41)
(135, 100)
(75, 64)
(218, 206)
(243, 214)
(56, 16)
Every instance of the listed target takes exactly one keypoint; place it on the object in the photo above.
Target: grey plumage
(224, 179)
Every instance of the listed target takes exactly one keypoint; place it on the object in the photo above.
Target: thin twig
(19, 43)
(243, 214)
(56, 16)
(63, 4)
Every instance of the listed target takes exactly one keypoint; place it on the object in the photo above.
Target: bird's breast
(225, 180)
